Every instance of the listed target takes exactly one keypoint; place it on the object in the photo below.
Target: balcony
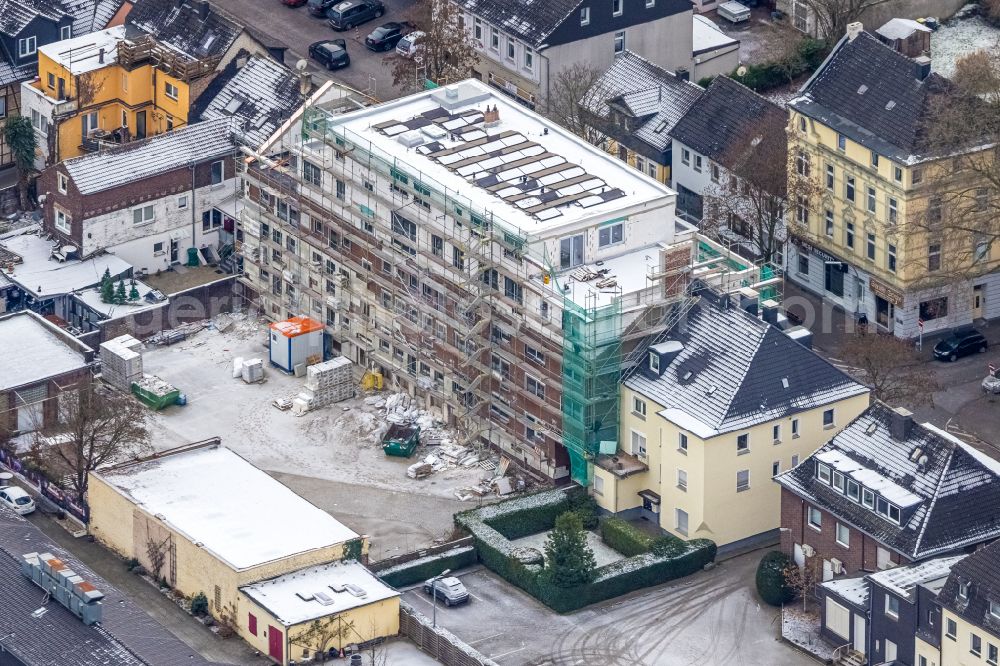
(621, 464)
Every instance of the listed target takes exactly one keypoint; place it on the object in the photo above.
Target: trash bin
(356, 660)
(193, 257)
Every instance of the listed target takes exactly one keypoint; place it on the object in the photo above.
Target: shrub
(585, 507)
(569, 561)
(132, 564)
(771, 584)
(199, 604)
(352, 549)
(624, 537)
(421, 569)
(766, 76)
(667, 546)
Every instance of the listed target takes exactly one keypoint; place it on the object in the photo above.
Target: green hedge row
(420, 570)
(522, 516)
(767, 76)
(625, 537)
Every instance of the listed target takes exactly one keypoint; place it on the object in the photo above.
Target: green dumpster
(401, 440)
(154, 392)
(193, 257)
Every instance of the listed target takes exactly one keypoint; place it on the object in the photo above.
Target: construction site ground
(330, 456)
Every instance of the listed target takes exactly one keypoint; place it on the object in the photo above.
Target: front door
(174, 250)
(883, 314)
(977, 302)
(859, 633)
(274, 646)
(140, 124)
(62, 88)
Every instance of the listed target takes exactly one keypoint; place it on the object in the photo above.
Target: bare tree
(321, 633)
(96, 425)
(891, 367)
(569, 92)
(445, 54)
(803, 579)
(832, 16)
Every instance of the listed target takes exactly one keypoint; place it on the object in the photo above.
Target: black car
(320, 7)
(331, 53)
(347, 14)
(960, 343)
(385, 37)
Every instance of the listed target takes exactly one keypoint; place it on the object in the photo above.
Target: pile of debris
(495, 480)
(121, 362)
(174, 335)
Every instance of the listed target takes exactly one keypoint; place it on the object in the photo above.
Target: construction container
(401, 440)
(296, 341)
(154, 392)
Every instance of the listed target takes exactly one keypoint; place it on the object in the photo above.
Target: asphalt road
(298, 29)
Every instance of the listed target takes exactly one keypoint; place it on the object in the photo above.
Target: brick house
(887, 491)
(148, 202)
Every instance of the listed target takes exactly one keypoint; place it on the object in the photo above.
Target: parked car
(293, 3)
(320, 7)
(450, 590)
(385, 37)
(17, 499)
(347, 14)
(992, 382)
(331, 53)
(409, 44)
(960, 343)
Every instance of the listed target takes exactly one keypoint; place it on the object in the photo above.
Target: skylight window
(890, 105)
(863, 89)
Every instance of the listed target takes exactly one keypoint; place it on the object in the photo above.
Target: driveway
(710, 618)
(298, 29)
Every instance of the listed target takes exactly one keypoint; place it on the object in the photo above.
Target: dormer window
(654, 362)
(854, 490)
(27, 46)
(868, 498)
(823, 473)
(995, 609)
(65, 32)
(963, 590)
(838, 481)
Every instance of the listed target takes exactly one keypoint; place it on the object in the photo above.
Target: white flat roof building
(36, 350)
(223, 503)
(86, 53)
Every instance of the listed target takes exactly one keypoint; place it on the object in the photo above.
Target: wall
(50, 410)
(955, 651)
(924, 649)
(883, 627)
(371, 621)
(717, 62)
(877, 14)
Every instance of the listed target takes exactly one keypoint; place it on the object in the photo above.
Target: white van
(409, 44)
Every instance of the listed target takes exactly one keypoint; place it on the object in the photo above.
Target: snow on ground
(802, 628)
(603, 553)
(336, 443)
(959, 37)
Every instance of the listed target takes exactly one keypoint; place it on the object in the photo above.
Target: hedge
(625, 537)
(421, 569)
(522, 516)
(767, 76)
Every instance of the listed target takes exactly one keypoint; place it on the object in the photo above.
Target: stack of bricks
(329, 382)
(121, 362)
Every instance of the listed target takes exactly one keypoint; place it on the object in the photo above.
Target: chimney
(682, 74)
(921, 67)
(801, 335)
(854, 29)
(491, 118)
(748, 300)
(769, 312)
(203, 8)
(305, 83)
(100, 55)
(900, 424)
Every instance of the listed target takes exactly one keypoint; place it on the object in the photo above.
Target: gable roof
(529, 21)
(183, 28)
(126, 636)
(260, 97)
(647, 90)
(871, 93)
(15, 15)
(981, 571)
(947, 502)
(726, 119)
(135, 161)
(91, 15)
(729, 375)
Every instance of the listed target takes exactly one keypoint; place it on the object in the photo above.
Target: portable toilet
(295, 341)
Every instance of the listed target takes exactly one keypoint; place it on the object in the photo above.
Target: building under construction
(477, 256)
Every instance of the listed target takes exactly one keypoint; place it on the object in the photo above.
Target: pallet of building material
(252, 370)
(284, 404)
(419, 470)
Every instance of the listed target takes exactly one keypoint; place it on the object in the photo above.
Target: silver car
(450, 590)
(992, 383)
(17, 499)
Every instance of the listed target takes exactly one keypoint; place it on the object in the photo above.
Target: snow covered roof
(733, 371)
(853, 590)
(92, 299)
(182, 26)
(204, 493)
(37, 350)
(530, 173)
(901, 28)
(957, 487)
(135, 161)
(90, 15)
(707, 36)
(15, 15)
(980, 574)
(86, 53)
(902, 580)
(307, 594)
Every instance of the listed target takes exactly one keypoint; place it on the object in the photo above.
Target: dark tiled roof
(736, 364)
(530, 21)
(648, 91)
(91, 15)
(183, 28)
(872, 94)
(16, 14)
(956, 490)
(726, 119)
(127, 636)
(981, 571)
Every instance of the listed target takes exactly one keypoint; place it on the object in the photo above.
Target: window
(682, 480)
(158, 249)
(815, 518)
(828, 418)
(650, 4)
(934, 308)
(584, 15)
(742, 480)
(838, 481)
(529, 58)
(182, 202)
(995, 609)
(654, 362)
(776, 468)
(854, 490)
(62, 182)
(218, 172)
(871, 199)
(795, 460)
(934, 209)
(63, 221)
(849, 188)
(829, 223)
(890, 260)
(843, 535)
(776, 433)
(252, 623)
(638, 443)
(829, 177)
(619, 41)
(682, 442)
(681, 521)
(868, 498)
(685, 157)
(716, 172)
(892, 606)
(616, 7)
(510, 50)
(849, 234)
(50, 81)
(638, 407)
(950, 629)
(982, 199)
(571, 251)
(916, 176)
(311, 173)
(802, 123)
(171, 90)
(890, 652)
(143, 215)
(212, 219)
(841, 142)
(26, 46)
(534, 355)
(743, 443)
(933, 257)
(534, 386)
(795, 428)
(697, 162)
(992, 654)
(457, 257)
(874, 160)
(477, 29)
(870, 245)
(893, 207)
(494, 39)
(803, 264)
(170, 123)
(610, 235)
(437, 246)
(897, 174)
(513, 290)
(980, 249)
(802, 164)
(598, 483)
(802, 210)
(975, 644)
(341, 190)
(823, 473)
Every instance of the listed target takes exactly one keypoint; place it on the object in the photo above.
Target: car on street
(385, 37)
(350, 13)
(959, 344)
(16, 499)
(293, 3)
(450, 590)
(410, 43)
(320, 7)
(331, 53)
(991, 384)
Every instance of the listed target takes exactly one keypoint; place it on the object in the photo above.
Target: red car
(294, 3)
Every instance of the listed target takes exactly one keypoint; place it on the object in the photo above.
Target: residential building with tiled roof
(970, 610)
(723, 404)
(888, 491)
(632, 108)
(523, 46)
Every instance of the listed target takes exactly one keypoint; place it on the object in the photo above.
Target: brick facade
(50, 413)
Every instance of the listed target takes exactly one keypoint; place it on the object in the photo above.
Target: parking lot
(298, 29)
(710, 618)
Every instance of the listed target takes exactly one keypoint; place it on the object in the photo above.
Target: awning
(178, 234)
(650, 495)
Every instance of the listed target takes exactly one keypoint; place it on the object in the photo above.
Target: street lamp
(434, 596)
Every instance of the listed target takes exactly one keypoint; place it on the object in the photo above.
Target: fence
(403, 558)
(438, 642)
(43, 486)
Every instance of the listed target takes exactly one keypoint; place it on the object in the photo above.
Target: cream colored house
(970, 613)
(719, 408)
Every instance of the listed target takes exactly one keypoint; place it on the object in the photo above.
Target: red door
(274, 644)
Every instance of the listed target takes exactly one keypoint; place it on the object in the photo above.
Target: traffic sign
(920, 323)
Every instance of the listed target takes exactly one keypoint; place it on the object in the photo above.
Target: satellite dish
(302, 65)
(741, 70)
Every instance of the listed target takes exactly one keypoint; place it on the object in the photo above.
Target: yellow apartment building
(970, 613)
(726, 402)
(875, 238)
(204, 520)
